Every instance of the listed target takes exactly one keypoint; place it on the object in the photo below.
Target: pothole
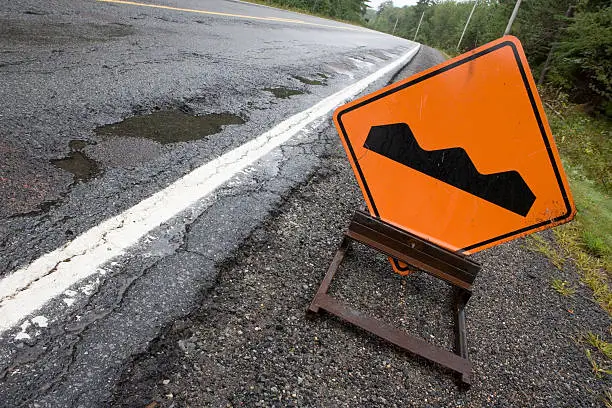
(170, 126)
(283, 93)
(308, 81)
(82, 167)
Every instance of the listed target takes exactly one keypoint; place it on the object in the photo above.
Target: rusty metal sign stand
(436, 261)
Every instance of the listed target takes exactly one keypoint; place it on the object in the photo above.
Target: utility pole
(466, 24)
(419, 26)
(395, 26)
(512, 17)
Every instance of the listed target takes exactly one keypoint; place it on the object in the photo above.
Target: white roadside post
(419, 26)
(512, 17)
(466, 24)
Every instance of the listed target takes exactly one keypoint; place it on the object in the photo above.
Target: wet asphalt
(77, 79)
(209, 309)
(69, 68)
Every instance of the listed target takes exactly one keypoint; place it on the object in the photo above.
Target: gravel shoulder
(251, 343)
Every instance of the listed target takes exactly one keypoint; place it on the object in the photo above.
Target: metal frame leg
(331, 271)
(461, 298)
(457, 362)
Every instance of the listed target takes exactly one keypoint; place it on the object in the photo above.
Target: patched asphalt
(209, 309)
(69, 68)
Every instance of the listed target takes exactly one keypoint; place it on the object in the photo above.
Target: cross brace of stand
(410, 249)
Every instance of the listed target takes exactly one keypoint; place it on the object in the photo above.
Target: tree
(582, 46)
(582, 63)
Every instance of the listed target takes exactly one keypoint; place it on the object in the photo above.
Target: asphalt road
(214, 80)
(70, 67)
(110, 109)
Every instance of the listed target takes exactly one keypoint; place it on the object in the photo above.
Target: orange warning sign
(460, 154)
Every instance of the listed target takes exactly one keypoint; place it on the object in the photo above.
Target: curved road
(108, 233)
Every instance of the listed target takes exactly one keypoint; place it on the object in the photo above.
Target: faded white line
(28, 289)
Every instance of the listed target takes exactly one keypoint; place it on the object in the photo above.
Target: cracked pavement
(69, 68)
(208, 308)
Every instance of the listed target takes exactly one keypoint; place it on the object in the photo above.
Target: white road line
(28, 289)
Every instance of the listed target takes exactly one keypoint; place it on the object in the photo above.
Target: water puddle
(170, 126)
(82, 167)
(41, 32)
(283, 93)
(308, 81)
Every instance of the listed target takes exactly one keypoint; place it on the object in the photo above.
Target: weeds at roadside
(607, 399)
(583, 140)
(601, 345)
(585, 145)
(592, 270)
(537, 243)
(562, 287)
(598, 369)
(600, 357)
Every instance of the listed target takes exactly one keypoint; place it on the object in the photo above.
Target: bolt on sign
(460, 154)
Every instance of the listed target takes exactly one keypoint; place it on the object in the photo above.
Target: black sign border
(536, 112)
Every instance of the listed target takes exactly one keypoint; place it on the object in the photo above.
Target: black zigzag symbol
(452, 166)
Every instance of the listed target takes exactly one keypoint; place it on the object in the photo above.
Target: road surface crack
(77, 331)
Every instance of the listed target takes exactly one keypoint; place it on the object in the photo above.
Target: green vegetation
(598, 369)
(351, 11)
(537, 243)
(563, 287)
(603, 347)
(586, 147)
(607, 399)
(584, 141)
(579, 33)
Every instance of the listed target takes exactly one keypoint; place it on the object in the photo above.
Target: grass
(584, 141)
(599, 354)
(594, 219)
(607, 399)
(593, 270)
(599, 370)
(597, 342)
(537, 243)
(585, 145)
(562, 287)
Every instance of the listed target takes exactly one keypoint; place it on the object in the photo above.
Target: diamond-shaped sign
(460, 154)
